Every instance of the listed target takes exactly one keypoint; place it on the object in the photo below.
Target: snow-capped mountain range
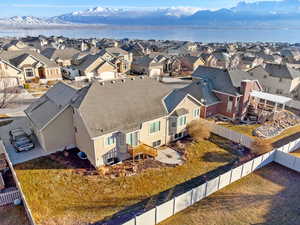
(264, 13)
(135, 13)
(31, 20)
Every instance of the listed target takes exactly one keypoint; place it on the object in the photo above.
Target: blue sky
(57, 7)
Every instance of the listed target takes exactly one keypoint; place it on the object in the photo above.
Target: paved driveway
(22, 156)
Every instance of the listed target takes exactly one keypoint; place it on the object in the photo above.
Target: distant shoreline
(133, 27)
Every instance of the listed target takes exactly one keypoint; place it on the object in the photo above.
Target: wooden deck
(143, 149)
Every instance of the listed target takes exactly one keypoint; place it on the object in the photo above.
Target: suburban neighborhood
(145, 132)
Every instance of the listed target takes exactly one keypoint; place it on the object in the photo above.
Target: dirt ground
(269, 196)
(13, 215)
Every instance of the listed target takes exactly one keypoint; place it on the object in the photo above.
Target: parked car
(26, 147)
(20, 140)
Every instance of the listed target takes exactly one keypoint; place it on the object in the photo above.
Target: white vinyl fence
(27, 209)
(232, 135)
(288, 160)
(190, 197)
(9, 197)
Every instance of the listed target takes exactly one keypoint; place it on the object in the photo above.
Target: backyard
(269, 196)
(63, 193)
(13, 215)
(248, 130)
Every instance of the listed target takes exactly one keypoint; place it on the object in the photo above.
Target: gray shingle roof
(218, 79)
(64, 54)
(122, 105)
(50, 104)
(282, 71)
(16, 57)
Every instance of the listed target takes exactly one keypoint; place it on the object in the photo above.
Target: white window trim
(158, 121)
(178, 119)
(106, 140)
(198, 113)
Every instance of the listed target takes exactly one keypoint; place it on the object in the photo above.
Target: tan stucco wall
(8, 71)
(82, 138)
(60, 132)
(190, 105)
(147, 138)
(101, 148)
(52, 73)
(106, 67)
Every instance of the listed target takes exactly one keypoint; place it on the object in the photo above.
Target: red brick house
(221, 92)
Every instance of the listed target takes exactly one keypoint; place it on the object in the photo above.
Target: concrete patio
(169, 156)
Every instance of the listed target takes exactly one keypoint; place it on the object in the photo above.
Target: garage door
(107, 75)
(154, 72)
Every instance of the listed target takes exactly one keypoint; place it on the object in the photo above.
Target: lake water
(164, 33)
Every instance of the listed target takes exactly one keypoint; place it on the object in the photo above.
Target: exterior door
(42, 73)
(132, 139)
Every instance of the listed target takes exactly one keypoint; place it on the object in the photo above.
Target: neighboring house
(32, 64)
(137, 111)
(146, 65)
(123, 59)
(119, 57)
(16, 45)
(96, 66)
(10, 76)
(218, 60)
(190, 63)
(62, 57)
(222, 92)
(277, 79)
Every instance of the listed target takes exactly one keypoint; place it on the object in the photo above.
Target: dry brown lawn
(269, 196)
(248, 130)
(13, 215)
(60, 196)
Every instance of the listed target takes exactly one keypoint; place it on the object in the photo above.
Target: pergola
(267, 97)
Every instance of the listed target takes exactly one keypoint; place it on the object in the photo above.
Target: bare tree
(199, 129)
(260, 146)
(7, 91)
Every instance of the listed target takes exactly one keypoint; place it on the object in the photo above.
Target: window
(280, 79)
(196, 113)
(29, 72)
(110, 140)
(179, 135)
(156, 143)
(154, 127)
(181, 121)
(230, 104)
(132, 139)
(279, 91)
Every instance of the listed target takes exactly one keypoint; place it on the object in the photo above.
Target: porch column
(276, 104)
(283, 106)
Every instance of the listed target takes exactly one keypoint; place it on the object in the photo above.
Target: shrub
(199, 130)
(26, 86)
(260, 146)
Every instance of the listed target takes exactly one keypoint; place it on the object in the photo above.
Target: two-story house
(32, 64)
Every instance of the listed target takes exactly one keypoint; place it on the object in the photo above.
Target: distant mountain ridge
(285, 13)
